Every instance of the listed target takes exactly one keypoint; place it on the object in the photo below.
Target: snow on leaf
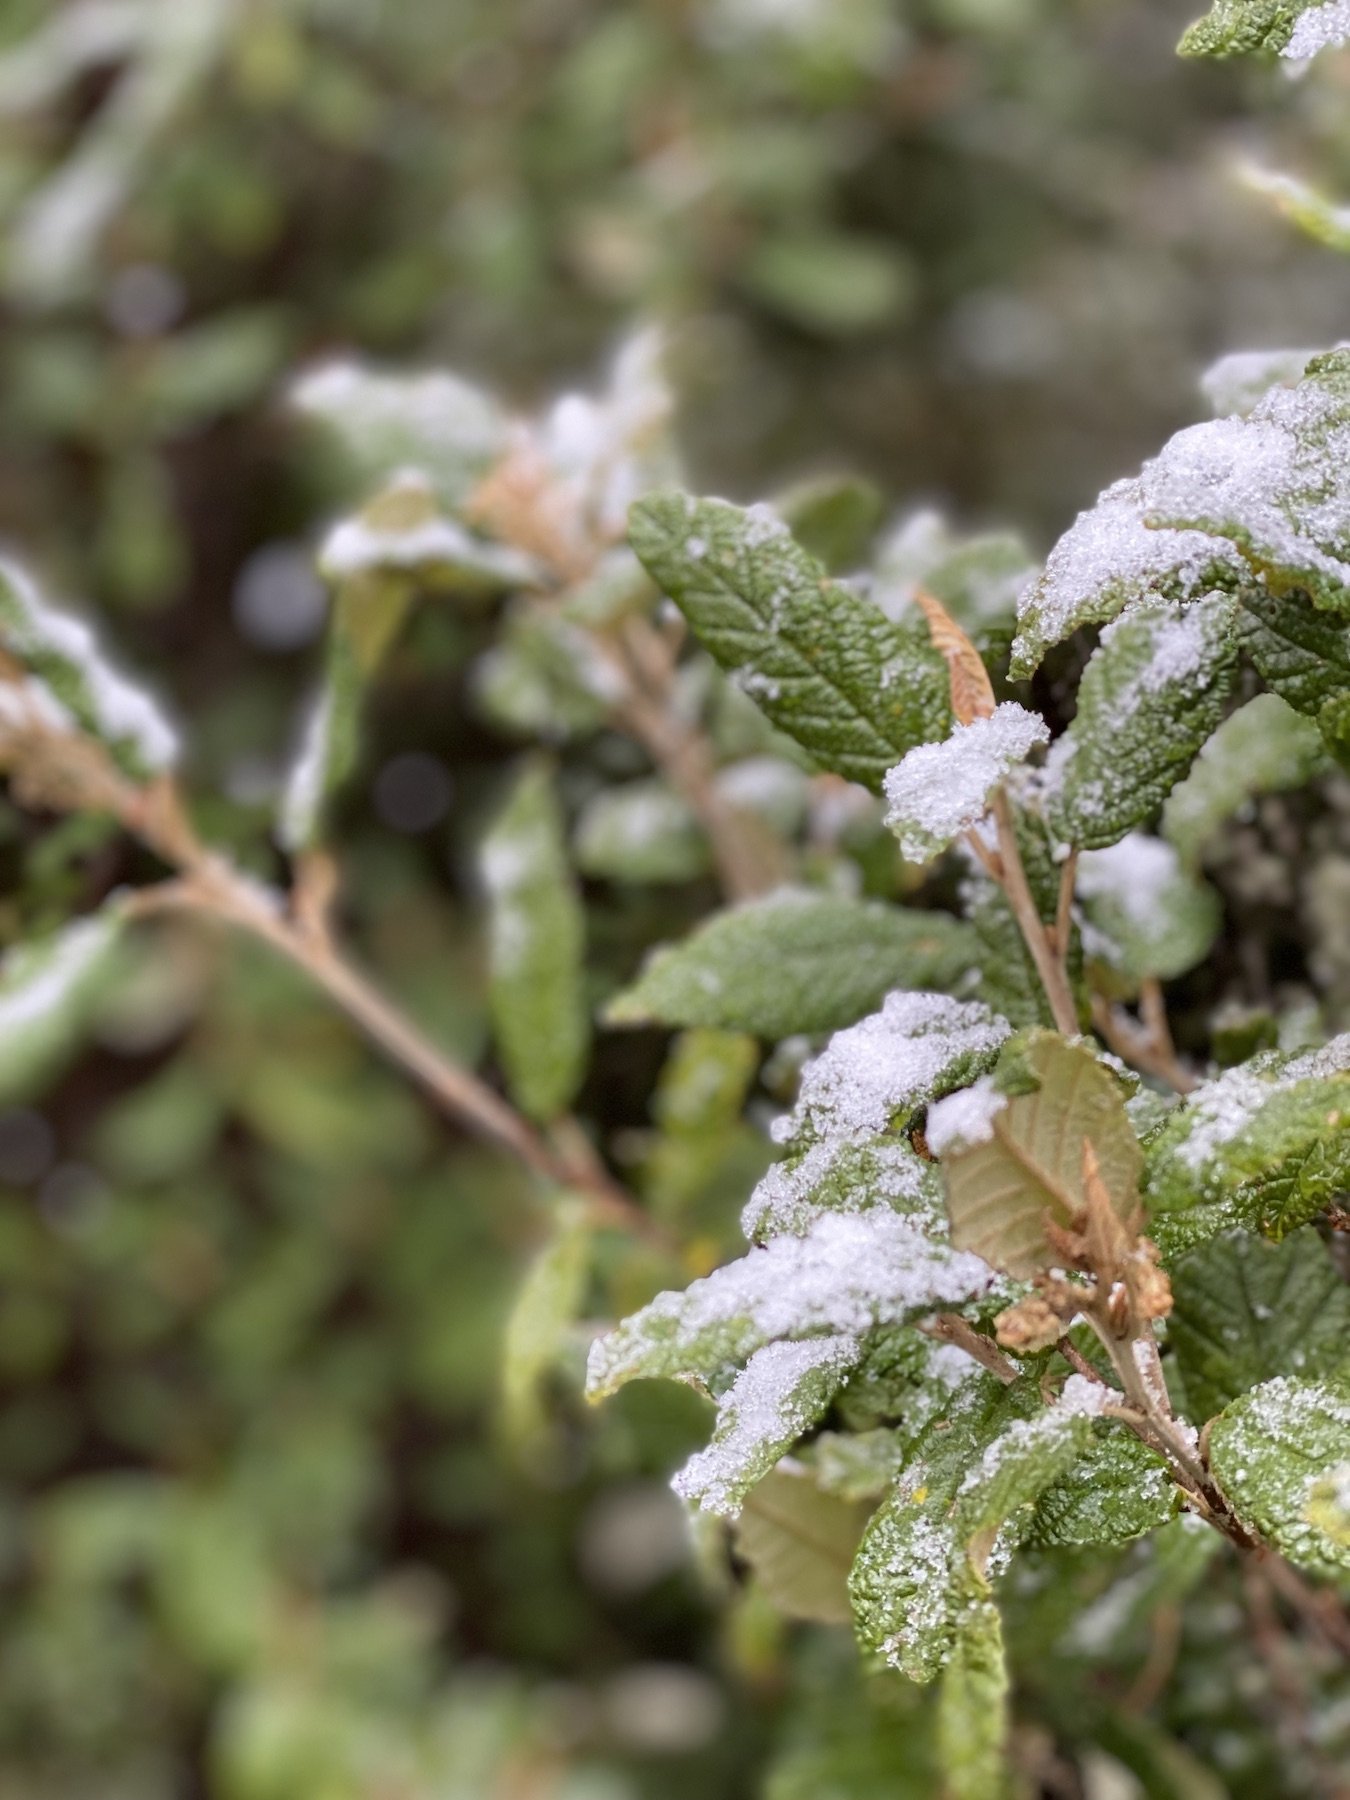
(824, 665)
(536, 933)
(1117, 1490)
(1152, 692)
(799, 960)
(978, 580)
(940, 790)
(965, 1118)
(1000, 1191)
(1323, 26)
(45, 990)
(1245, 1310)
(437, 423)
(1247, 27)
(847, 1275)
(783, 1391)
(402, 532)
(1237, 381)
(1107, 559)
(842, 1174)
(1144, 915)
(64, 659)
(1265, 747)
(1279, 1452)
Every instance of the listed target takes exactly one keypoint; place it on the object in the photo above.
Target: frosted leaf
(1312, 212)
(1108, 558)
(1276, 484)
(1145, 915)
(964, 1118)
(977, 580)
(884, 1068)
(783, 1391)
(1280, 1455)
(848, 1275)
(1115, 1491)
(1265, 747)
(1221, 1109)
(940, 790)
(1153, 691)
(1325, 26)
(436, 422)
(402, 531)
(841, 1174)
(45, 988)
(1237, 381)
(63, 656)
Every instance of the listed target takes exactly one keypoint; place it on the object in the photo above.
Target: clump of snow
(1324, 27)
(780, 1394)
(964, 1119)
(606, 452)
(1134, 875)
(1082, 1395)
(940, 790)
(886, 1173)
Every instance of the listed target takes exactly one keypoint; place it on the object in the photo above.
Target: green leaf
(832, 517)
(1282, 1456)
(1012, 1473)
(73, 686)
(366, 617)
(800, 1542)
(536, 942)
(541, 678)
(825, 665)
(1108, 559)
(1151, 694)
(1116, 1491)
(937, 792)
(640, 831)
(445, 427)
(1247, 27)
(1245, 1310)
(1275, 484)
(402, 536)
(545, 1308)
(1314, 213)
(1002, 1188)
(972, 1709)
(1262, 1146)
(829, 281)
(1145, 916)
(47, 989)
(783, 1391)
(978, 580)
(841, 1174)
(1262, 748)
(796, 961)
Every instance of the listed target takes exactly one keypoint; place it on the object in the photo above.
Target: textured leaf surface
(1263, 1146)
(941, 790)
(825, 665)
(1282, 1456)
(1245, 1310)
(842, 1174)
(800, 1542)
(536, 941)
(80, 688)
(1263, 748)
(46, 988)
(1000, 1191)
(783, 1391)
(1295, 29)
(1151, 694)
(1145, 916)
(972, 1710)
(1117, 1490)
(797, 961)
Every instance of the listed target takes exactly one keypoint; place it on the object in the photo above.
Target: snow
(940, 790)
(384, 419)
(769, 1406)
(964, 1119)
(306, 782)
(1324, 27)
(1223, 1108)
(1237, 381)
(1081, 1395)
(782, 1198)
(35, 982)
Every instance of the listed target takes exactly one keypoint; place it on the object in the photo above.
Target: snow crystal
(783, 1198)
(940, 790)
(357, 546)
(964, 1119)
(768, 1407)
(1221, 1109)
(1082, 1395)
(1324, 27)
(870, 1071)
(1237, 381)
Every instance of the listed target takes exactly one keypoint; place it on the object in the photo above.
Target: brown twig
(1142, 1046)
(1017, 888)
(951, 1328)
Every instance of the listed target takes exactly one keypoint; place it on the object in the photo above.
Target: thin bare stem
(951, 1328)
(1141, 1046)
(1023, 903)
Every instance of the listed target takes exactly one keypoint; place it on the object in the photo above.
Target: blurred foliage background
(262, 1535)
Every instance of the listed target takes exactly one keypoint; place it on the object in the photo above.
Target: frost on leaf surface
(1237, 381)
(842, 1173)
(1265, 747)
(977, 580)
(1275, 484)
(783, 1391)
(1116, 1491)
(437, 423)
(1313, 212)
(822, 663)
(1282, 1456)
(73, 685)
(1245, 1310)
(798, 960)
(1107, 559)
(1145, 915)
(1153, 691)
(941, 790)
(847, 1275)
(45, 991)
(1302, 654)
(1263, 1146)
(1295, 29)
(402, 531)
